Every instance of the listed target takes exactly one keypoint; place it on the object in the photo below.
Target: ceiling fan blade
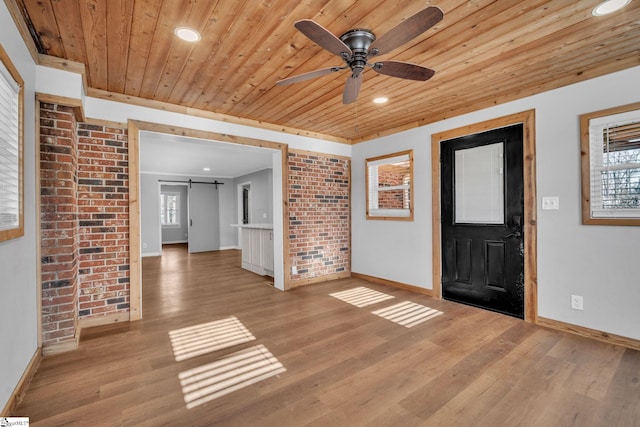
(403, 70)
(406, 30)
(308, 76)
(323, 37)
(352, 89)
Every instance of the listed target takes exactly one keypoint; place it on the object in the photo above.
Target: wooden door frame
(135, 265)
(527, 118)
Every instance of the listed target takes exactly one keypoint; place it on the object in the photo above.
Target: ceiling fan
(356, 46)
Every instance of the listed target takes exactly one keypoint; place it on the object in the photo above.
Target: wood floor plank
(344, 365)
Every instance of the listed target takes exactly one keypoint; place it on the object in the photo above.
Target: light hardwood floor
(344, 365)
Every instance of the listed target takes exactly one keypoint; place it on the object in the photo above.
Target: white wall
(18, 293)
(597, 262)
(150, 216)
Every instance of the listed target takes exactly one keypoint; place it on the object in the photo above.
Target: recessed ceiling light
(187, 34)
(206, 169)
(609, 6)
(381, 100)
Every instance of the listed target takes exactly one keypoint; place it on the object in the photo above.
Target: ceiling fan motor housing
(359, 41)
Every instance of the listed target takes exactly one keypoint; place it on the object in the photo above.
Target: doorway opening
(526, 223)
(278, 157)
(246, 193)
(174, 213)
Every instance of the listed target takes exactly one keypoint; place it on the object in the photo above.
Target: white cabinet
(257, 250)
(267, 250)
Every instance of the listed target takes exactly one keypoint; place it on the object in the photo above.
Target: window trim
(163, 194)
(405, 214)
(586, 170)
(15, 232)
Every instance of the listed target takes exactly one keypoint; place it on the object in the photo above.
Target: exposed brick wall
(58, 223)
(103, 214)
(319, 214)
(392, 199)
(84, 221)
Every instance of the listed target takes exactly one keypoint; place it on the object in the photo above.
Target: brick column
(58, 223)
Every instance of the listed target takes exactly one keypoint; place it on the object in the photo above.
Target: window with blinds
(390, 186)
(614, 167)
(11, 221)
(169, 209)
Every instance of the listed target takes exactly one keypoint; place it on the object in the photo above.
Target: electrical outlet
(577, 302)
(144, 246)
(294, 269)
(550, 203)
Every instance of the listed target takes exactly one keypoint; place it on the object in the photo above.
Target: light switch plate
(551, 203)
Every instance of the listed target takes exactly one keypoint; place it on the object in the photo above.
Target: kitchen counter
(256, 226)
(256, 243)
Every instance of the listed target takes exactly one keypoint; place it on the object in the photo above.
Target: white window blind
(9, 151)
(615, 166)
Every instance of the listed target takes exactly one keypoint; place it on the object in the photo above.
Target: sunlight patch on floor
(361, 296)
(231, 373)
(208, 337)
(407, 313)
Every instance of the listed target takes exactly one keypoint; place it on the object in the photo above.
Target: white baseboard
(145, 254)
(173, 242)
(226, 248)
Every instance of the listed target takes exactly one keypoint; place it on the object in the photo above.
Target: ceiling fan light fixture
(381, 100)
(187, 34)
(609, 6)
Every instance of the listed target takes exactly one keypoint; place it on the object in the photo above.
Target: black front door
(482, 202)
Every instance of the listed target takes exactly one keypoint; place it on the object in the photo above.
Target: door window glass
(479, 184)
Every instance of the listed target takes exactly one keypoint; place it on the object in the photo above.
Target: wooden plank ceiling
(484, 52)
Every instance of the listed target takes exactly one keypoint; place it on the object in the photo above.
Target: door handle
(190, 222)
(517, 224)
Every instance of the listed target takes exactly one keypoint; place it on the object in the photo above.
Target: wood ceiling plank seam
(161, 45)
(217, 29)
(246, 60)
(144, 23)
(299, 102)
(182, 51)
(268, 82)
(194, 75)
(222, 56)
(94, 26)
(119, 21)
(42, 16)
